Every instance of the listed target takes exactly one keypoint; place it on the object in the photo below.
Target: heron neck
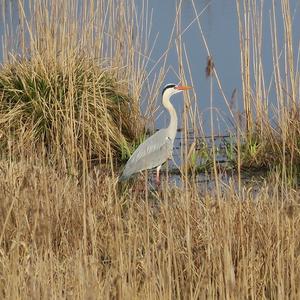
(172, 128)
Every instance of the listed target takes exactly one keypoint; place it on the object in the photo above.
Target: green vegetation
(128, 148)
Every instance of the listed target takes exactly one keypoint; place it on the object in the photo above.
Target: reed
(178, 244)
(65, 109)
(68, 230)
(72, 91)
(271, 118)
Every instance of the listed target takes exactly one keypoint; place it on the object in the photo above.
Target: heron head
(172, 89)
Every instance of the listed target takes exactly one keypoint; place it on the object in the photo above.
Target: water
(219, 23)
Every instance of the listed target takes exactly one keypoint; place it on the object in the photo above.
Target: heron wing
(151, 153)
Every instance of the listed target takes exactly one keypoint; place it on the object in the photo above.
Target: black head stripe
(170, 85)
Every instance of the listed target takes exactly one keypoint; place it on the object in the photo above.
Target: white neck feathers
(172, 128)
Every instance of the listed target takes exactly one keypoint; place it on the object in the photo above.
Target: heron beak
(183, 88)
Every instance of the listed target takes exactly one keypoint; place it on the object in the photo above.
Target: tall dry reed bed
(271, 103)
(69, 232)
(64, 238)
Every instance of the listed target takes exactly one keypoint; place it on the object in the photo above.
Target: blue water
(219, 23)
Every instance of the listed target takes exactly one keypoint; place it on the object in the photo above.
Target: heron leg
(157, 175)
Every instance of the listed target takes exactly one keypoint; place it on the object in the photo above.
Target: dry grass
(79, 235)
(67, 239)
(65, 106)
(276, 136)
(72, 91)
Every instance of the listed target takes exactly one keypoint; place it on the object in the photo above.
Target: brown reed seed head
(209, 67)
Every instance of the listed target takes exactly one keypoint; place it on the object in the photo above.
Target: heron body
(158, 148)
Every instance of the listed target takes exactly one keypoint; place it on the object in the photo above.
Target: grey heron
(158, 148)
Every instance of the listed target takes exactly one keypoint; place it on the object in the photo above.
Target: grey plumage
(158, 148)
(152, 153)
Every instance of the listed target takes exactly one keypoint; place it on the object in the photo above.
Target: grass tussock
(61, 238)
(272, 146)
(71, 81)
(70, 107)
